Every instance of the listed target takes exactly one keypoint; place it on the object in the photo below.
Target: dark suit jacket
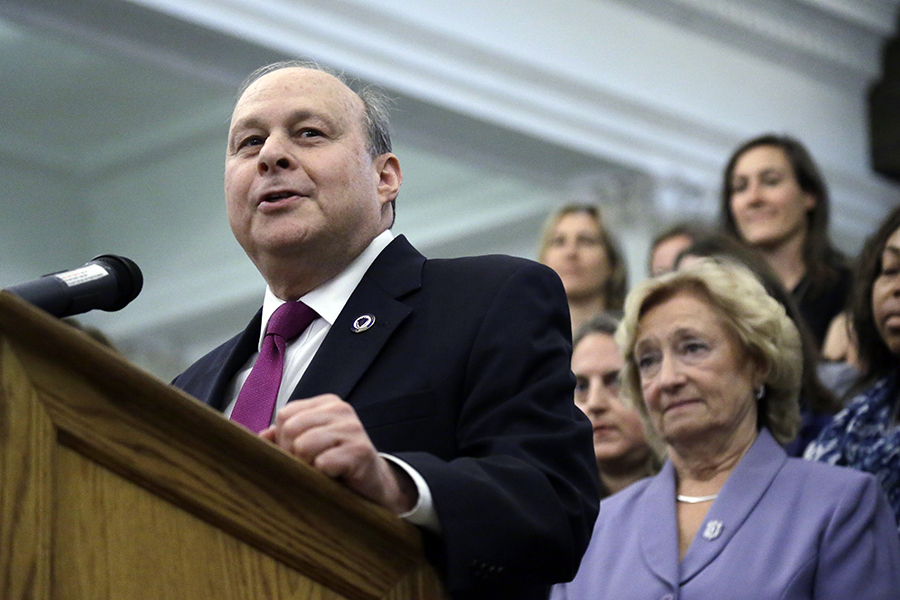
(464, 375)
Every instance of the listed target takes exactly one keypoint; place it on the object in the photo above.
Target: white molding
(879, 16)
(469, 77)
(595, 106)
(501, 81)
(840, 32)
(479, 77)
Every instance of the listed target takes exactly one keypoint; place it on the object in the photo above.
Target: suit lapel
(658, 531)
(346, 354)
(246, 344)
(739, 496)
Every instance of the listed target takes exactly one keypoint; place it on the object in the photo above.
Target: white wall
(505, 112)
(42, 223)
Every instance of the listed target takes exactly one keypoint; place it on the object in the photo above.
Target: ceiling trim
(879, 16)
(839, 33)
(488, 81)
(384, 42)
(473, 78)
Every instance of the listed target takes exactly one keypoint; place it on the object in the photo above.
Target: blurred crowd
(745, 399)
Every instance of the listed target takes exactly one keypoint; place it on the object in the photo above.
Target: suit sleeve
(517, 506)
(860, 554)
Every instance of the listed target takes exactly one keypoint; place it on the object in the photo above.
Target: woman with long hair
(866, 434)
(576, 245)
(775, 200)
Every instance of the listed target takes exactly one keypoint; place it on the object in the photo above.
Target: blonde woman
(576, 245)
(714, 363)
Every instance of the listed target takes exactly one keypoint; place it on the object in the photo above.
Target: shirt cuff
(422, 514)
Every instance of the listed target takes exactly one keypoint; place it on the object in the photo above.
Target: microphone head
(129, 279)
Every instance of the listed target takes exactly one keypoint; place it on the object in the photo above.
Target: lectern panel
(116, 485)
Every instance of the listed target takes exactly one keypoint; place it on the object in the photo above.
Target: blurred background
(115, 112)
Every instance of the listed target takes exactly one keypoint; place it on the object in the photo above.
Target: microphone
(108, 282)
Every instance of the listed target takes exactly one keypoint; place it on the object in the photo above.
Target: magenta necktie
(256, 400)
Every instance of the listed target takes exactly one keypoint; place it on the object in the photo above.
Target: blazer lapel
(247, 342)
(658, 531)
(346, 354)
(739, 496)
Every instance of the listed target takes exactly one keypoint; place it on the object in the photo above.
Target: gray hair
(375, 102)
(376, 105)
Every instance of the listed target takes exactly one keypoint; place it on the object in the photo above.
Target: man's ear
(387, 169)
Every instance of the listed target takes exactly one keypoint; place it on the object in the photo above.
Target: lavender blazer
(781, 528)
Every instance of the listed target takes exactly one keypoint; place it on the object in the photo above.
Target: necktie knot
(257, 398)
(290, 319)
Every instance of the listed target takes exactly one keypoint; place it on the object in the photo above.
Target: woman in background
(818, 404)
(775, 200)
(624, 454)
(714, 363)
(670, 243)
(866, 434)
(575, 244)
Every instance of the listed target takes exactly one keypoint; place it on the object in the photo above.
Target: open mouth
(277, 196)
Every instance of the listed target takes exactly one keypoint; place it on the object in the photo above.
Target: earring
(760, 391)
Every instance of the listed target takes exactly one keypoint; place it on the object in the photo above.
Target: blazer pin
(713, 529)
(362, 323)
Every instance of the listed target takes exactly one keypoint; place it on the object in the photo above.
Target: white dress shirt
(328, 301)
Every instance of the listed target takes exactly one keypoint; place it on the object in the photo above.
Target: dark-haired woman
(866, 434)
(775, 200)
(624, 453)
(670, 243)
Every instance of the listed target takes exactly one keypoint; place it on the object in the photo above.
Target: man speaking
(439, 389)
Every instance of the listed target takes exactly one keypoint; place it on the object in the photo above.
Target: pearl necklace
(695, 499)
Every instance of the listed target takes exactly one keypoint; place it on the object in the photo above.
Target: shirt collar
(328, 299)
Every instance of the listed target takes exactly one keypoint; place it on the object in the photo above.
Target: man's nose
(274, 155)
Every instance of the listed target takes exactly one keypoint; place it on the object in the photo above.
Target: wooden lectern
(117, 486)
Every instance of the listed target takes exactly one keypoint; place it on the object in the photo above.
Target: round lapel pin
(362, 323)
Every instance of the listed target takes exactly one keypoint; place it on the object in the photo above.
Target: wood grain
(145, 479)
(116, 540)
(26, 438)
